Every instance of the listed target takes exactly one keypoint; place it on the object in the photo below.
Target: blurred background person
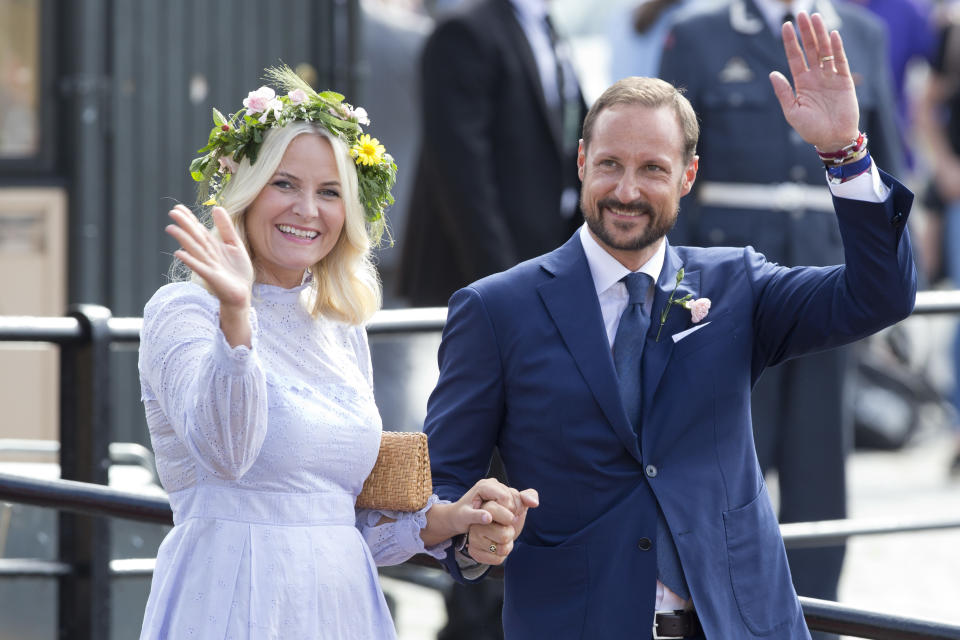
(500, 112)
(911, 41)
(760, 185)
(636, 31)
(392, 35)
(938, 121)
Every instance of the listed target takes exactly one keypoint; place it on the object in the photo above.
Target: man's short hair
(647, 92)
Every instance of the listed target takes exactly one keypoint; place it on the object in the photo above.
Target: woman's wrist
(440, 524)
(235, 324)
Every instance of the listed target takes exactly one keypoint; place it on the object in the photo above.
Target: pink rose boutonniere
(698, 307)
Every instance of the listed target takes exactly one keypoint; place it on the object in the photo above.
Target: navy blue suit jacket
(525, 365)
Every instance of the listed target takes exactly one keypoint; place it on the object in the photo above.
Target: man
(496, 180)
(761, 185)
(651, 497)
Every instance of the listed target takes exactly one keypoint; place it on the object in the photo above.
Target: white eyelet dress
(263, 452)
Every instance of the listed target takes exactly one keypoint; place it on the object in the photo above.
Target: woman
(257, 386)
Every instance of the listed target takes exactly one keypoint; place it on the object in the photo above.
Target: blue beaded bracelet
(845, 172)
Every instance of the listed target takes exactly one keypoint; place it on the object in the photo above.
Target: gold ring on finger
(825, 59)
(492, 548)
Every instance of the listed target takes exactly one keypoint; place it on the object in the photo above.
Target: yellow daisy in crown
(368, 150)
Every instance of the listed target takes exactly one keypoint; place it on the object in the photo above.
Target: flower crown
(241, 134)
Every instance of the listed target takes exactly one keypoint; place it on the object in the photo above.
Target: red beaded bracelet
(846, 154)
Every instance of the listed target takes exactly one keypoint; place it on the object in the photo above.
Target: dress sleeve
(398, 541)
(213, 396)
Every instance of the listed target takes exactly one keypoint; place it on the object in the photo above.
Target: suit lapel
(656, 353)
(571, 301)
(521, 46)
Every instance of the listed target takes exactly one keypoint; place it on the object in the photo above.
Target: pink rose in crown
(297, 97)
(698, 309)
(259, 100)
(273, 105)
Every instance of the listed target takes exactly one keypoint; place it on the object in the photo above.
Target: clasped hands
(493, 515)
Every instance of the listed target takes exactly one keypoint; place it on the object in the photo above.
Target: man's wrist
(845, 153)
(838, 174)
(461, 543)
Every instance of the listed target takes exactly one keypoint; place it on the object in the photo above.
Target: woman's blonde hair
(345, 283)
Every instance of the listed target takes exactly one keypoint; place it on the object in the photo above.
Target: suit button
(644, 544)
(651, 471)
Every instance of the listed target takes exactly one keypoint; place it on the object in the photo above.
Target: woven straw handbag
(400, 480)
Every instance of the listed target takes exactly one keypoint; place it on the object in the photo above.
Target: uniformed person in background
(761, 185)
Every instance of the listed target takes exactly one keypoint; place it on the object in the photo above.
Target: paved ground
(915, 575)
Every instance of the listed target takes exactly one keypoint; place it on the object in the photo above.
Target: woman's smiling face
(298, 216)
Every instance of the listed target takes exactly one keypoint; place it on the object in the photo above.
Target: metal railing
(94, 500)
(84, 568)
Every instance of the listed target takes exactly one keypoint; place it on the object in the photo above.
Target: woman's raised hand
(222, 262)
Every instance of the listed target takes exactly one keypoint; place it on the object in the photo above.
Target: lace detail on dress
(213, 398)
(395, 542)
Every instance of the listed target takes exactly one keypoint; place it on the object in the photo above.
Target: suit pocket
(759, 572)
(545, 592)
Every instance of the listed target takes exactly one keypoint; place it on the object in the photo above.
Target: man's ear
(581, 159)
(689, 176)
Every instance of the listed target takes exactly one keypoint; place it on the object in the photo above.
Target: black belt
(675, 624)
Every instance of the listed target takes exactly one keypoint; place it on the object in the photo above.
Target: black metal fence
(84, 569)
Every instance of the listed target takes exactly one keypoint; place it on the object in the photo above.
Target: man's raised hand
(822, 104)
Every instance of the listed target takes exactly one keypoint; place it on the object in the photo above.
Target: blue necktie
(628, 358)
(628, 345)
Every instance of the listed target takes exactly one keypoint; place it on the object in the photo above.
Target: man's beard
(658, 224)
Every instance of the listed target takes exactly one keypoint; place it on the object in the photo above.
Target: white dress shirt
(531, 15)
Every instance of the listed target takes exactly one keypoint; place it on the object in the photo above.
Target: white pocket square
(677, 337)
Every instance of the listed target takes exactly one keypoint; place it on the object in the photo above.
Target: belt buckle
(656, 633)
